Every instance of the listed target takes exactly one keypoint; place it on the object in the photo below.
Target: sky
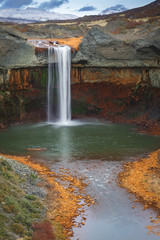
(76, 7)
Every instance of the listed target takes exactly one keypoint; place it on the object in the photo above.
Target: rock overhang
(43, 44)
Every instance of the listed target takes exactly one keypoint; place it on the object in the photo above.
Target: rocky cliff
(115, 72)
(100, 48)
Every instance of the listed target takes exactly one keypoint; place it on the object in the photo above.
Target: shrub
(17, 228)
(30, 197)
(133, 24)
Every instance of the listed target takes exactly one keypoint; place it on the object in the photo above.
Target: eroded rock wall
(110, 76)
(23, 95)
(96, 91)
(115, 92)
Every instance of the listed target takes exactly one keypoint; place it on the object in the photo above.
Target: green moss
(44, 78)
(32, 177)
(79, 108)
(24, 219)
(18, 228)
(18, 210)
(30, 197)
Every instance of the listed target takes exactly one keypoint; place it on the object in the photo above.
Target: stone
(1, 79)
(100, 48)
(16, 51)
(154, 75)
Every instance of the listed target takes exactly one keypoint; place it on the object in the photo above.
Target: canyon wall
(96, 91)
(111, 78)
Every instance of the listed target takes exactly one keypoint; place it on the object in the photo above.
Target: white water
(59, 90)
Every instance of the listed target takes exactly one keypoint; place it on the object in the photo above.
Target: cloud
(52, 4)
(87, 8)
(47, 4)
(14, 3)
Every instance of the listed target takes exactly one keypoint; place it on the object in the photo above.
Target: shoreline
(63, 204)
(66, 190)
(142, 124)
(66, 197)
(22, 200)
(142, 178)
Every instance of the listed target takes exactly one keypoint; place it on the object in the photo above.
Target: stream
(97, 151)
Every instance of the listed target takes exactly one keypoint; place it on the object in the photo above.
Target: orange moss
(142, 178)
(72, 42)
(66, 195)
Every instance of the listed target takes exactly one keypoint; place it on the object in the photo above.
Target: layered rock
(15, 51)
(112, 74)
(100, 48)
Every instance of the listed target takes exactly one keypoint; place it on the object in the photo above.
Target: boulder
(100, 48)
(16, 52)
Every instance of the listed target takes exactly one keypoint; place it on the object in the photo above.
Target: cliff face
(15, 50)
(100, 48)
(23, 95)
(115, 73)
(110, 93)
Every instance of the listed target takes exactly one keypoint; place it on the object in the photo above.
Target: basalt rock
(110, 75)
(149, 47)
(99, 48)
(16, 52)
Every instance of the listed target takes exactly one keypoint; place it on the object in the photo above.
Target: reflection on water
(64, 142)
(112, 217)
(78, 142)
(96, 151)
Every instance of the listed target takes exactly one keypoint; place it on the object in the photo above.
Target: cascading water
(59, 90)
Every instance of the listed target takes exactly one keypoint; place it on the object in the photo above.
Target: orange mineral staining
(66, 197)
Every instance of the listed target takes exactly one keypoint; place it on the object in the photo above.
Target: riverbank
(21, 200)
(142, 178)
(65, 200)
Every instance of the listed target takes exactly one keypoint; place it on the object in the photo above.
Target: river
(95, 150)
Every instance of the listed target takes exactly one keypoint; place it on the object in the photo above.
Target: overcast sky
(77, 7)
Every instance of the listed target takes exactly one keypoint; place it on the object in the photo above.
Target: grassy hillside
(19, 206)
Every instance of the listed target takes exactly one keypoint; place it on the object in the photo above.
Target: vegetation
(133, 24)
(17, 209)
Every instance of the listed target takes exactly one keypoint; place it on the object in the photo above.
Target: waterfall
(59, 89)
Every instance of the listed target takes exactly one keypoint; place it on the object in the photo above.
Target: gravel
(31, 179)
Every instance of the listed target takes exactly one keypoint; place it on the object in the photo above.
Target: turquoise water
(71, 143)
(95, 150)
